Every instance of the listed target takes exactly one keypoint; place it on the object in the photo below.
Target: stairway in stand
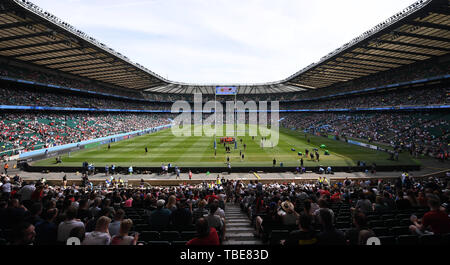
(238, 227)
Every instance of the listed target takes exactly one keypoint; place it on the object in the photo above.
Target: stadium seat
(387, 240)
(169, 236)
(405, 222)
(403, 216)
(149, 236)
(342, 225)
(179, 243)
(158, 243)
(381, 231)
(407, 240)
(446, 239)
(277, 236)
(430, 240)
(400, 230)
(387, 216)
(141, 227)
(376, 223)
(391, 222)
(187, 235)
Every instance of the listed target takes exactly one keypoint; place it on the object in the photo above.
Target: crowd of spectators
(407, 73)
(53, 79)
(40, 97)
(405, 97)
(34, 212)
(31, 131)
(419, 133)
(26, 97)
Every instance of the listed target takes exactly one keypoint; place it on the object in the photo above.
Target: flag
(215, 144)
(235, 145)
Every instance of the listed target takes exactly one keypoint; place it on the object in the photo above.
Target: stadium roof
(31, 35)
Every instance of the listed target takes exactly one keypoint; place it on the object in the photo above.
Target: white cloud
(224, 41)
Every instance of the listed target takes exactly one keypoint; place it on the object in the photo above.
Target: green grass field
(194, 151)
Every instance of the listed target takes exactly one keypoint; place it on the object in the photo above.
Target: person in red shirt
(436, 220)
(207, 236)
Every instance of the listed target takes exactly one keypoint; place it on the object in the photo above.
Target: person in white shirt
(114, 227)
(70, 223)
(122, 237)
(101, 234)
(26, 192)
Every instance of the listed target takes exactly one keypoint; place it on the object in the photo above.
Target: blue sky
(224, 41)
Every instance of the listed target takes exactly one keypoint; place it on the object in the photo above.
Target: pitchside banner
(226, 90)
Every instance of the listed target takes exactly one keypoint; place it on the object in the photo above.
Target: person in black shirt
(329, 235)
(305, 235)
(46, 230)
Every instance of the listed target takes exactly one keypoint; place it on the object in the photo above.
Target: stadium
(100, 150)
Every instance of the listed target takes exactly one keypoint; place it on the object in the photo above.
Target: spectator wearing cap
(288, 214)
(160, 218)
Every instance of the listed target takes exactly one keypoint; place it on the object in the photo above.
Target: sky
(224, 41)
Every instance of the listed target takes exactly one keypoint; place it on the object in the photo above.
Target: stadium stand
(45, 62)
(168, 215)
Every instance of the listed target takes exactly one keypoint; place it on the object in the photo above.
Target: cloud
(224, 41)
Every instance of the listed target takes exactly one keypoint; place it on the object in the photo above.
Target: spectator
(207, 235)
(122, 238)
(101, 234)
(66, 226)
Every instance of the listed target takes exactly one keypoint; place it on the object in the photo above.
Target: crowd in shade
(404, 74)
(405, 97)
(10, 95)
(59, 80)
(24, 132)
(418, 133)
(40, 97)
(316, 212)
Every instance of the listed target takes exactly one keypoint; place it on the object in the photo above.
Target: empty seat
(400, 230)
(391, 222)
(405, 222)
(407, 240)
(387, 240)
(446, 239)
(149, 236)
(179, 243)
(139, 221)
(187, 235)
(403, 216)
(342, 225)
(430, 240)
(158, 243)
(169, 236)
(140, 227)
(381, 231)
(387, 216)
(277, 236)
(376, 223)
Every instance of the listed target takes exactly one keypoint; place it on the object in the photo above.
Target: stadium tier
(351, 150)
